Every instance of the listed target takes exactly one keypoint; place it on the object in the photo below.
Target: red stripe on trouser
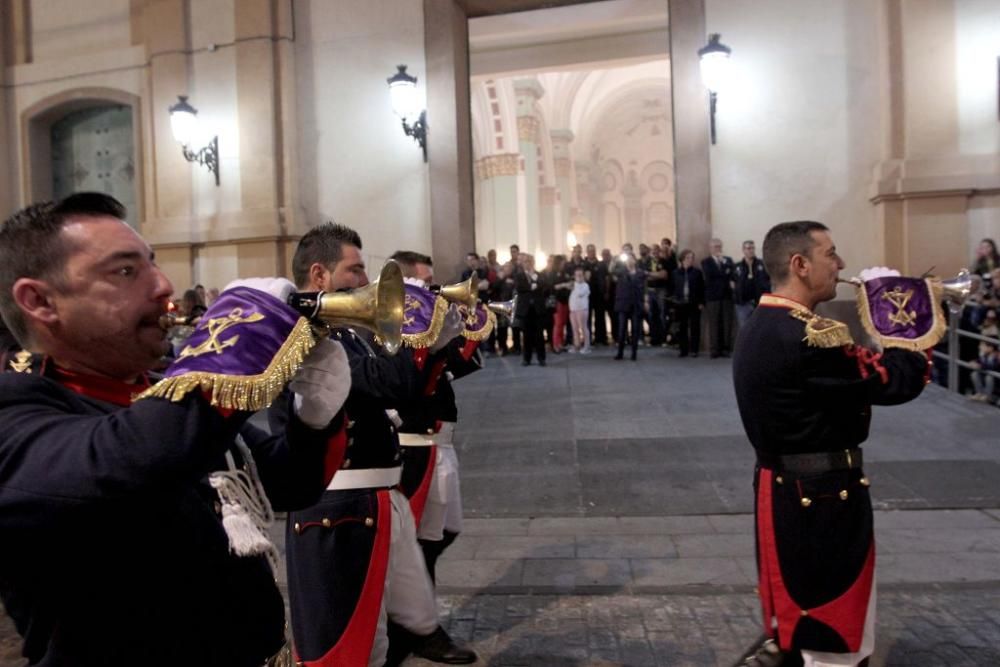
(355, 646)
(842, 613)
(419, 499)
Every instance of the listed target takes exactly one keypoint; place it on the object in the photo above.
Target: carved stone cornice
(527, 128)
(503, 164)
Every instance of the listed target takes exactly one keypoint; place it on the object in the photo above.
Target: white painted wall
(798, 128)
(355, 164)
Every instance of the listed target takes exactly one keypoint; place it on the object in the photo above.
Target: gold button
(369, 522)
(298, 528)
(326, 522)
(843, 494)
(350, 423)
(865, 481)
(346, 463)
(805, 612)
(430, 431)
(350, 441)
(806, 502)
(779, 479)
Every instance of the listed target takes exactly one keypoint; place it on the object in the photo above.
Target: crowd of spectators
(651, 298)
(979, 318)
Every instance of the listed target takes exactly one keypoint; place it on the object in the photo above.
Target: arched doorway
(84, 139)
(92, 149)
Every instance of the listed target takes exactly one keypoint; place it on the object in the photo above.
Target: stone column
(527, 92)
(565, 182)
(449, 139)
(691, 118)
(496, 226)
(548, 220)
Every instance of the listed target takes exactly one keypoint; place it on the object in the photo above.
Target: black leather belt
(813, 463)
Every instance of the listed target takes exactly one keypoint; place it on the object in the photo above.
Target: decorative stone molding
(491, 166)
(527, 128)
(562, 166)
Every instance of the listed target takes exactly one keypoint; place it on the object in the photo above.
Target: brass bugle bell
(957, 290)
(465, 293)
(377, 307)
(505, 308)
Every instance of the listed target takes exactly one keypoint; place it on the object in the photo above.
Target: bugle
(505, 308)
(377, 307)
(464, 293)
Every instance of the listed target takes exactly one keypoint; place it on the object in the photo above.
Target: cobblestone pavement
(925, 626)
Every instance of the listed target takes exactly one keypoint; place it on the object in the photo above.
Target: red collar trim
(774, 301)
(104, 389)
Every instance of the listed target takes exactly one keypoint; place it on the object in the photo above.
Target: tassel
(245, 538)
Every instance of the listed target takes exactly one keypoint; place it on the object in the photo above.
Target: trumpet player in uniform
(353, 558)
(805, 393)
(116, 514)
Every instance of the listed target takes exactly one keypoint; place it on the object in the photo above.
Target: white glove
(321, 384)
(877, 272)
(454, 324)
(279, 288)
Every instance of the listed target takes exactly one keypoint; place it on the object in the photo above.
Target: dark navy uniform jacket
(794, 398)
(113, 550)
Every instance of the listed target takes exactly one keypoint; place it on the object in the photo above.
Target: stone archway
(37, 122)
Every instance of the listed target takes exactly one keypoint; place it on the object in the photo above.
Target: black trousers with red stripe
(815, 557)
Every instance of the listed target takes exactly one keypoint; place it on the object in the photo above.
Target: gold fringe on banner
(427, 338)
(939, 325)
(243, 392)
(484, 333)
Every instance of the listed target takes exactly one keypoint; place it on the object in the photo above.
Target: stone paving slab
(958, 626)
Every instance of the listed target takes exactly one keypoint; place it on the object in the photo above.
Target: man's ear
(799, 265)
(317, 273)
(34, 298)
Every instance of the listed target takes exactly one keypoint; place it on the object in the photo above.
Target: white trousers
(821, 659)
(409, 596)
(443, 509)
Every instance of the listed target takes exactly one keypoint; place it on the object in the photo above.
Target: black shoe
(694, 354)
(633, 357)
(618, 357)
(541, 363)
(683, 354)
(525, 363)
(439, 647)
(714, 355)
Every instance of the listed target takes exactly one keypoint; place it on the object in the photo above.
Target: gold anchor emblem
(215, 327)
(21, 362)
(900, 299)
(410, 304)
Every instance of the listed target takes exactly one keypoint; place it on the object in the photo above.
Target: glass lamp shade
(714, 63)
(184, 122)
(403, 94)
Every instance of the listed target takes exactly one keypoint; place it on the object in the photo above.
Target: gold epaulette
(822, 331)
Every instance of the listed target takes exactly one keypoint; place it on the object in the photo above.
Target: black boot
(439, 647)
(401, 642)
(433, 549)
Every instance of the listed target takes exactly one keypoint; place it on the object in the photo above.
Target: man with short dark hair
(353, 558)
(805, 393)
(750, 283)
(111, 511)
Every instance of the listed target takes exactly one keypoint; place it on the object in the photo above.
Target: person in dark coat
(115, 552)
(689, 301)
(719, 273)
(630, 298)
(805, 393)
(533, 291)
(750, 282)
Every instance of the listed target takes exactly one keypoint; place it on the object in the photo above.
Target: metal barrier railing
(955, 334)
